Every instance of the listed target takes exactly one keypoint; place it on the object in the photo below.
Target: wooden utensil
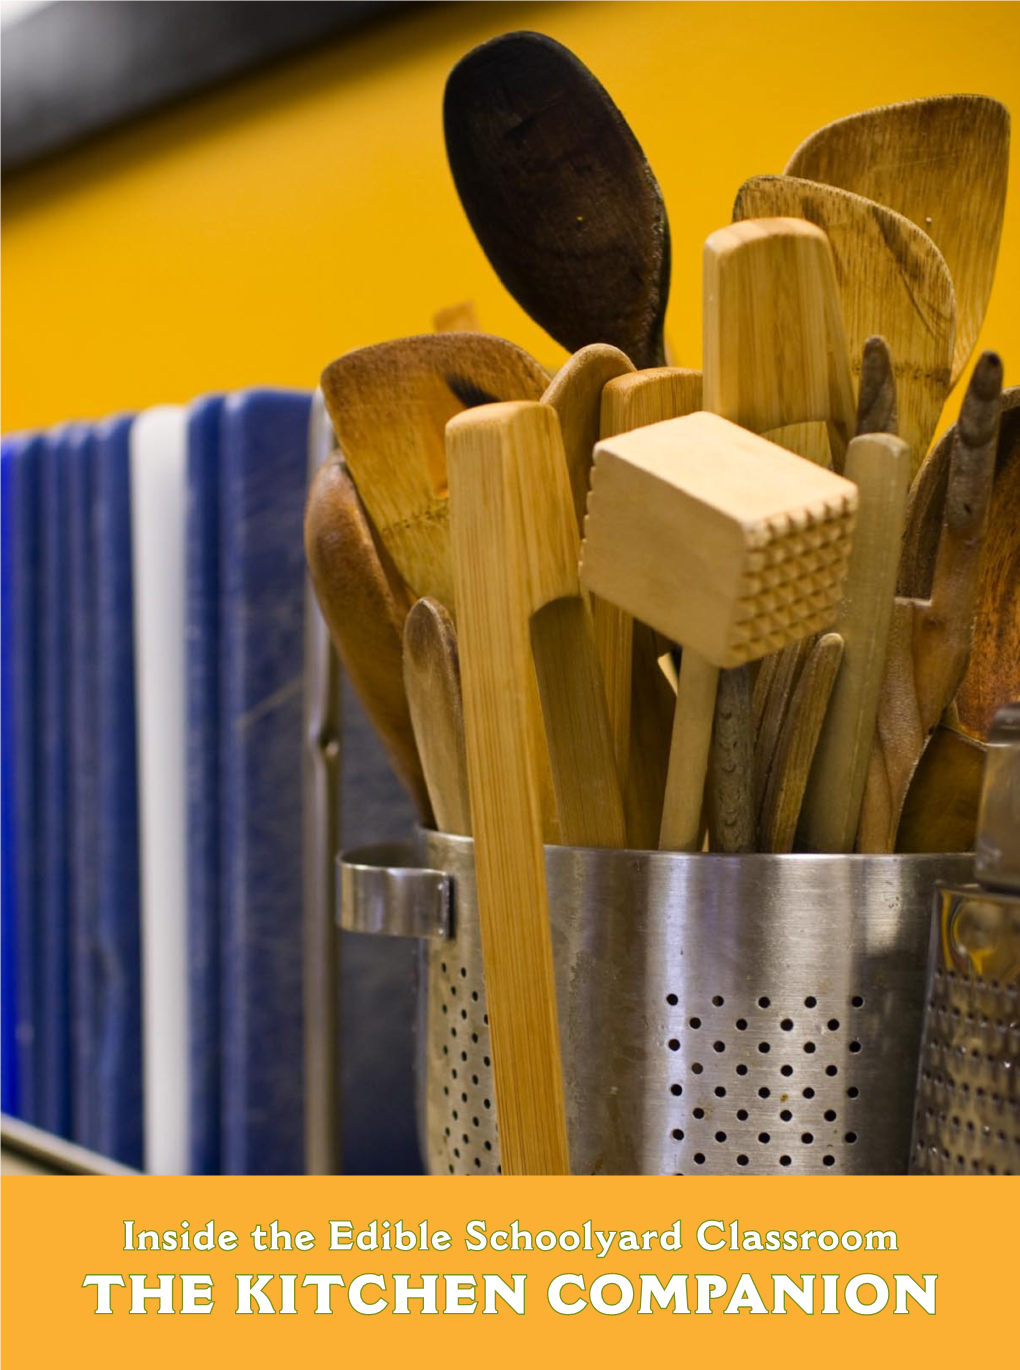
(941, 162)
(941, 807)
(559, 194)
(432, 685)
(389, 405)
(797, 744)
(364, 604)
(515, 563)
(730, 762)
(575, 392)
(877, 410)
(993, 671)
(879, 465)
(723, 542)
(891, 280)
(774, 346)
(930, 639)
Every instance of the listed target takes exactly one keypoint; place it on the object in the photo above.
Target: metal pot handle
(383, 890)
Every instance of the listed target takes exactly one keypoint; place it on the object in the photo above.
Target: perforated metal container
(718, 1014)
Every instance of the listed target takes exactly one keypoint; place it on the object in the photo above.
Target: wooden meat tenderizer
(723, 542)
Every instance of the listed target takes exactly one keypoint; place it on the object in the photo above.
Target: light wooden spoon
(364, 604)
(891, 279)
(941, 162)
(559, 194)
(389, 405)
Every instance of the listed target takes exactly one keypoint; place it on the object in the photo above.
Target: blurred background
(254, 231)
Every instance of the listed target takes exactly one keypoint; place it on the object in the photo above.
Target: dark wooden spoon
(559, 194)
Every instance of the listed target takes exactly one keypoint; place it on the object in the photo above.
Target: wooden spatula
(559, 194)
(879, 465)
(775, 350)
(930, 638)
(364, 604)
(432, 684)
(575, 392)
(723, 542)
(389, 405)
(892, 280)
(515, 564)
(941, 162)
(631, 401)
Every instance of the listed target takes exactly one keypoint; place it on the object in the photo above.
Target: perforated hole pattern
(461, 1122)
(968, 1107)
(766, 1085)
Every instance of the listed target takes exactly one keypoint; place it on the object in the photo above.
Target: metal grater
(967, 1119)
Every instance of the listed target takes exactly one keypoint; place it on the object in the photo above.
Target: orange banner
(164, 1272)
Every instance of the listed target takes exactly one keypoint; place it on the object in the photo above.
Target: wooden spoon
(389, 405)
(432, 683)
(364, 604)
(941, 162)
(891, 279)
(559, 194)
(930, 638)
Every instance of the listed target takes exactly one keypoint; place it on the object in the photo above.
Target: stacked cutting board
(642, 605)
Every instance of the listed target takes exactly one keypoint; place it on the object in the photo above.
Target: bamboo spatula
(364, 604)
(775, 351)
(891, 279)
(575, 392)
(515, 565)
(930, 638)
(942, 163)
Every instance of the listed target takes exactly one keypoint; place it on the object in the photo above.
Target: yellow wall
(253, 235)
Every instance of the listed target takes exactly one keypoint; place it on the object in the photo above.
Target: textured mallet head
(716, 537)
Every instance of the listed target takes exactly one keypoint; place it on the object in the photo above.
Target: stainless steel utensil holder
(968, 1097)
(718, 1014)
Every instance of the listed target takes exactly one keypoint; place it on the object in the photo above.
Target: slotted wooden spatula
(941, 162)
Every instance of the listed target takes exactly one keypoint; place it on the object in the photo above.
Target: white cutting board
(158, 496)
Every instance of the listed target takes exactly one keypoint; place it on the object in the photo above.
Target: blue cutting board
(25, 760)
(202, 674)
(53, 1023)
(264, 456)
(118, 1039)
(83, 796)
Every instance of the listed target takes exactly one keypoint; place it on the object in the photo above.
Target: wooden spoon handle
(879, 464)
(681, 826)
(797, 742)
(432, 683)
(730, 788)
